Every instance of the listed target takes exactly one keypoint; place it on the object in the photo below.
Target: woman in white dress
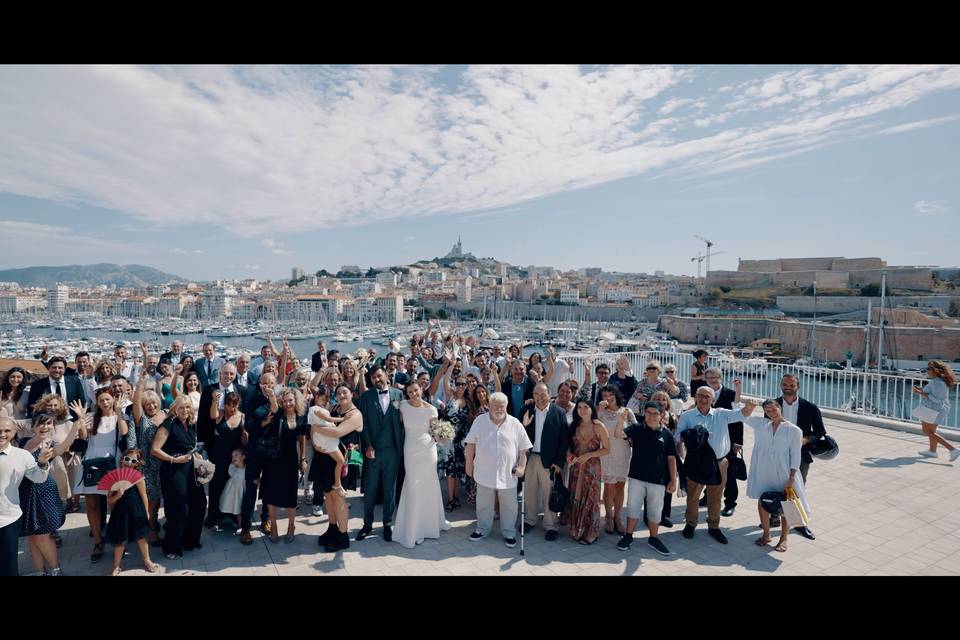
(774, 463)
(614, 466)
(420, 514)
(105, 439)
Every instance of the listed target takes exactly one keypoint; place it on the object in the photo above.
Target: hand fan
(118, 479)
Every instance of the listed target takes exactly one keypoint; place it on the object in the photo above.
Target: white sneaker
(928, 454)
(318, 511)
(954, 453)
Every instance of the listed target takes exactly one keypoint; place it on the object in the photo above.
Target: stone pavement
(878, 509)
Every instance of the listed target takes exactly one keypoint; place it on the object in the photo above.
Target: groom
(382, 442)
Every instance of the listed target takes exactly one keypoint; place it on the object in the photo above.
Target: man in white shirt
(15, 465)
(126, 368)
(496, 456)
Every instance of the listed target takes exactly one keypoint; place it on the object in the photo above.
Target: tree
(323, 273)
(726, 289)
(871, 290)
(714, 295)
(371, 272)
(442, 314)
(954, 309)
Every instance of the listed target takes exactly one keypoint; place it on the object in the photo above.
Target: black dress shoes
(364, 532)
(805, 532)
(717, 535)
(387, 534)
(727, 512)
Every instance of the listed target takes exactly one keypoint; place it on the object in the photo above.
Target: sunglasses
(461, 384)
(129, 460)
(652, 369)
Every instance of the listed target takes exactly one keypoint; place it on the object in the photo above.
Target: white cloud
(197, 251)
(930, 207)
(919, 124)
(277, 248)
(294, 150)
(252, 267)
(178, 251)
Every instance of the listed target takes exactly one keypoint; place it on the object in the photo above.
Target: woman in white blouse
(774, 463)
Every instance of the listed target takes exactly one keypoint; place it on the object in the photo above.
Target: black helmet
(771, 502)
(824, 449)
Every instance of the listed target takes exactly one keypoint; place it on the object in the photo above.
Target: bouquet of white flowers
(441, 430)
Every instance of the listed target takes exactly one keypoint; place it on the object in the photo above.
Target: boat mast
(866, 357)
(883, 298)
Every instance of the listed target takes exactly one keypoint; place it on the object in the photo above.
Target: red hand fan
(118, 479)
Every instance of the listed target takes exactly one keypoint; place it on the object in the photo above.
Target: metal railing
(851, 391)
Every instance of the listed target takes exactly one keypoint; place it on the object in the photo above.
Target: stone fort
(828, 273)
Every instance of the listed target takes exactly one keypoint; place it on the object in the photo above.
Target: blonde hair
(182, 401)
(299, 403)
(150, 396)
(40, 406)
(654, 363)
(943, 371)
(96, 370)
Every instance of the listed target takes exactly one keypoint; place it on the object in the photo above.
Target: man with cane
(496, 456)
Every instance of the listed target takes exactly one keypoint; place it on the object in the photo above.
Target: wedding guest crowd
(622, 444)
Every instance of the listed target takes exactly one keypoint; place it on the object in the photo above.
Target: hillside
(91, 275)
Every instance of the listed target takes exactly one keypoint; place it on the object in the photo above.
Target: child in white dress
(232, 497)
(319, 416)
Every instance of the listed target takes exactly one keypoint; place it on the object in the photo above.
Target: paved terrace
(878, 509)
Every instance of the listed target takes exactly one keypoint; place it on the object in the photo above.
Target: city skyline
(217, 172)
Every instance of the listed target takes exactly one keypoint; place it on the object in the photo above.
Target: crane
(709, 244)
(699, 258)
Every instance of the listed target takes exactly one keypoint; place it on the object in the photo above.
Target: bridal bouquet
(441, 430)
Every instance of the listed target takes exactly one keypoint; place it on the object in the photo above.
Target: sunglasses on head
(131, 459)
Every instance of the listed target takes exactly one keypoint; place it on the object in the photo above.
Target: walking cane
(522, 499)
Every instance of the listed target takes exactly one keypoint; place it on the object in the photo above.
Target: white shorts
(639, 491)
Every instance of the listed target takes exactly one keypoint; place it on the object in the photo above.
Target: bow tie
(385, 391)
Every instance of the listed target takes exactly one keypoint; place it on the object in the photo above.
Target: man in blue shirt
(519, 389)
(715, 421)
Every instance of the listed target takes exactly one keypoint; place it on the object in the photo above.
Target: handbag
(268, 446)
(793, 510)
(95, 468)
(559, 494)
(354, 458)
(925, 414)
(738, 468)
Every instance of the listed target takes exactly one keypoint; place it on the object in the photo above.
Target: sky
(245, 172)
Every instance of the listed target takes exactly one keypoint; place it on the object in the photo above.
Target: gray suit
(383, 432)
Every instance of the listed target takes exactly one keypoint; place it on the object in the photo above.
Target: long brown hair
(943, 371)
(96, 411)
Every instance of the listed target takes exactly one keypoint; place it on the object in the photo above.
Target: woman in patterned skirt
(454, 461)
(147, 416)
(588, 445)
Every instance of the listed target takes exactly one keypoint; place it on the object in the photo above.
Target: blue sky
(247, 171)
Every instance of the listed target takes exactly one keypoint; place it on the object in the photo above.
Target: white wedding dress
(420, 513)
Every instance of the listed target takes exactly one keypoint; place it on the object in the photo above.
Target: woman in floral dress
(588, 445)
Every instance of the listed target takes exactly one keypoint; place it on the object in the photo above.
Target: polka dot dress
(40, 503)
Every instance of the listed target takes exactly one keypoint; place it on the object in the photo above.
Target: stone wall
(848, 264)
(807, 264)
(845, 304)
(907, 278)
(738, 279)
(824, 279)
(759, 266)
(832, 341)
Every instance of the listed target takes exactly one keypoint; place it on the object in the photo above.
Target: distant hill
(91, 275)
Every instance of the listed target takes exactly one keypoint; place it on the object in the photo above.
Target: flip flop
(97, 552)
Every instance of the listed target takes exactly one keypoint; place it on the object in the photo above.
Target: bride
(420, 513)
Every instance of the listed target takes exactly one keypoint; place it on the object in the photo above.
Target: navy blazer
(555, 437)
(41, 387)
(725, 401)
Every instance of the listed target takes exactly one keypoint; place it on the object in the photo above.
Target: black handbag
(268, 446)
(738, 468)
(559, 494)
(95, 468)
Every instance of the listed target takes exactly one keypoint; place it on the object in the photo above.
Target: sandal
(584, 541)
(115, 572)
(289, 537)
(762, 541)
(449, 507)
(97, 552)
(274, 538)
(151, 567)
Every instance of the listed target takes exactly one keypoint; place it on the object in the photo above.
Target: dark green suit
(383, 432)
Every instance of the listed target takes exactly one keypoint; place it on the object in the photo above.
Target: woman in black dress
(183, 499)
(229, 431)
(129, 522)
(697, 371)
(278, 485)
